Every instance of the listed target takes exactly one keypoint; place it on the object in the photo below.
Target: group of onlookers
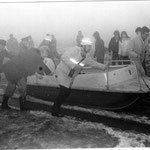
(122, 47)
(13, 48)
(26, 43)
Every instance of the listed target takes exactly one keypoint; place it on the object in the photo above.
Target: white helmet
(48, 38)
(86, 41)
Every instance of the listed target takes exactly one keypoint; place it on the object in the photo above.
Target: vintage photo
(74, 74)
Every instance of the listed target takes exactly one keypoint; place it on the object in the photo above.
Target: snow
(126, 139)
(140, 119)
(132, 117)
(39, 129)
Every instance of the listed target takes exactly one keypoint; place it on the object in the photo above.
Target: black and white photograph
(74, 74)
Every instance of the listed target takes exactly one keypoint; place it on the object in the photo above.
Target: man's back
(24, 65)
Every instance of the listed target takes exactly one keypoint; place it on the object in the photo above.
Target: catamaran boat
(118, 87)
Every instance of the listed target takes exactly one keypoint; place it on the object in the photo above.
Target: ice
(39, 129)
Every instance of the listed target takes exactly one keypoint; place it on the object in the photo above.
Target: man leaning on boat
(136, 50)
(72, 61)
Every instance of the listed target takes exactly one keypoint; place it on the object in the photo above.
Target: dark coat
(3, 54)
(99, 48)
(24, 65)
(114, 45)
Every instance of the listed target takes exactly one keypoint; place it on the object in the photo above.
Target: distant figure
(26, 44)
(46, 41)
(31, 43)
(50, 42)
(99, 48)
(79, 38)
(53, 43)
(54, 50)
(123, 46)
(17, 70)
(114, 46)
(48, 61)
(12, 45)
(146, 50)
(3, 54)
(138, 30)
(136, 50)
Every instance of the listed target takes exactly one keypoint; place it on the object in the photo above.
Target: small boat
(118, 87)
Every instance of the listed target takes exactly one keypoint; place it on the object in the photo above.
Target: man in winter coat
(136, 50)
(26, 44)
(4, 55)
(73, 59)
(17, 70)
(12, 45)
(114, 46)
(50, 42)
(99, 48)
(79, 38)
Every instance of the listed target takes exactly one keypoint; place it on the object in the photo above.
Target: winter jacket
(136, 53)
(114, 45)
(3, 54)
(23, 65)
(64, 67)
(123, 47)
(79, 39)
(99, 50)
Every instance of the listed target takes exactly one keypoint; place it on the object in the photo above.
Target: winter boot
(5, 102)
(55, 112)
(22, 100)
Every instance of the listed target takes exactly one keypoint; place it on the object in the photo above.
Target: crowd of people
(20, 60)
(123, 47)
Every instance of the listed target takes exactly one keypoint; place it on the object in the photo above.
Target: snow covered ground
(38, 129)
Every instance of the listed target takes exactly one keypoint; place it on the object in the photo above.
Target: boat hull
(97, 99)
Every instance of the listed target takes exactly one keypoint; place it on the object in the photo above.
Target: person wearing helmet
(72, 61)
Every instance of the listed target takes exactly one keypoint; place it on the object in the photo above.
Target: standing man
(12, 45)
(53, 48)
(79, 38)
(99, 48)
(50, 42)
(136, 50)
(17, 70)
(46, 41)
(25, 45)
(114, 46)
(3, 54)
(72, 61)
(146, 51)
(138, 31)
(31, 42)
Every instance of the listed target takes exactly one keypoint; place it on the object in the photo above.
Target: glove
(38, 76)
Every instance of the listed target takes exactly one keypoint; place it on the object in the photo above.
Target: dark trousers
(63, 95)
(21, 84)
(115, 56)
(100, 59)
(124, 58)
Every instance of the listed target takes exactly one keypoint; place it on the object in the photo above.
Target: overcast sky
(64, 19)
